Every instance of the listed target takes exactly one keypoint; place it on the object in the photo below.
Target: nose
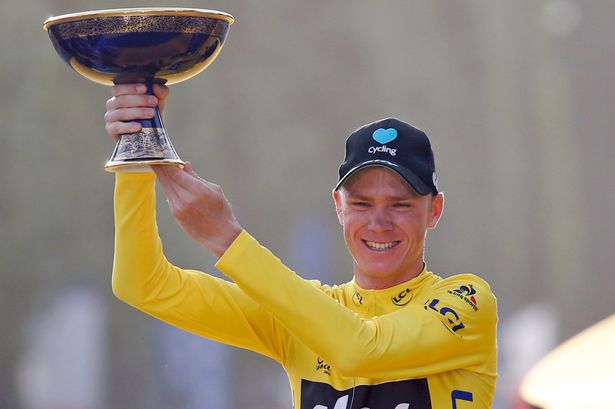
(380, 220)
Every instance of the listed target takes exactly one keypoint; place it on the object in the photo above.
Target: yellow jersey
(426, 343)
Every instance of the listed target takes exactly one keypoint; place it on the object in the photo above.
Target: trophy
(147, 45)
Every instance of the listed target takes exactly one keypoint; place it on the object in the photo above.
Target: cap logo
(383, 136)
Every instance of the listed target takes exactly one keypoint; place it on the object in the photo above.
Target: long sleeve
(189, 299)
(446, 331)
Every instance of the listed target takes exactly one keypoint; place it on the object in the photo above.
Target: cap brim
(414, 181)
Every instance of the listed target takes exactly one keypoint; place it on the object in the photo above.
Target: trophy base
(140, 166)
(134, 153)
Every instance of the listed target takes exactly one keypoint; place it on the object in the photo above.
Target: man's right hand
(130, 102)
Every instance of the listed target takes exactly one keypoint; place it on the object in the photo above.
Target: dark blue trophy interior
(137, 56)
(127, 48)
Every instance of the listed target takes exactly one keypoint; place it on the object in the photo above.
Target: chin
(378, 270)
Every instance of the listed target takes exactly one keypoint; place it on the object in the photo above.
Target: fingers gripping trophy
(140, 45)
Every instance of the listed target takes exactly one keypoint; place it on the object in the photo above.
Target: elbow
(138, 285)
(125, 292)
(119, 290)
(351, 364)
(131, 278)
(347, 368)
(360, 352)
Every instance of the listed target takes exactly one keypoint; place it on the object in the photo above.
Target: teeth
(380, 246)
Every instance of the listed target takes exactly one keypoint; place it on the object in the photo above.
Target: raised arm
(191, 300)
(441, 333)
(144, 278)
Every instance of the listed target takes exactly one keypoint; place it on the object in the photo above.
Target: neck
(369, 282)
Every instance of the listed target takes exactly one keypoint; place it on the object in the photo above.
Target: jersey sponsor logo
(402, 298)
(458, 395)
(452, 317)
(466, 293)
(323, 366)
(408, 394)
(357, 298)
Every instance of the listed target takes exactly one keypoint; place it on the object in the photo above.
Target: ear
(437, 207)
(337, 199)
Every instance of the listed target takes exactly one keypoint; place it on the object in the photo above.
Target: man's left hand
(200, 207)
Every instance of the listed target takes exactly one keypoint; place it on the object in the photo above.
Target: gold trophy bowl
(147, 45)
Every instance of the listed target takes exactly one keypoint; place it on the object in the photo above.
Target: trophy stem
(150, 146)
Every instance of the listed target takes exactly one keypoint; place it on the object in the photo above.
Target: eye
(402, 205)
(359, 204)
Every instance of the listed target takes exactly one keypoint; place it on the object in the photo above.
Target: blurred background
(516, 96)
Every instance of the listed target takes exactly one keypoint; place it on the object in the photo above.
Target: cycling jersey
(426, 343)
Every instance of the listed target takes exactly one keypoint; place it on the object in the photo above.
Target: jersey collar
(387, 299)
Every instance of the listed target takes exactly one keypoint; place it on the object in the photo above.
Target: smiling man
(396, 336)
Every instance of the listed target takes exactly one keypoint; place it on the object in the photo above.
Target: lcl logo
(402, 298)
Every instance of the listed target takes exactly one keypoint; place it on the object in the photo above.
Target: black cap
(393, 144)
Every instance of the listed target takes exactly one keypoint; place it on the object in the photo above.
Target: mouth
(376, 246)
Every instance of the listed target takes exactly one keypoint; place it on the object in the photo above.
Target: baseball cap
(393, 144)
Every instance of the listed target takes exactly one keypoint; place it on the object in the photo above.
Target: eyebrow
(358, 196)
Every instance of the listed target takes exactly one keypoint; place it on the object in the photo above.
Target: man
(395, 337)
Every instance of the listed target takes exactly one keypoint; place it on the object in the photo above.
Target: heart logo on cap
(383, 136)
